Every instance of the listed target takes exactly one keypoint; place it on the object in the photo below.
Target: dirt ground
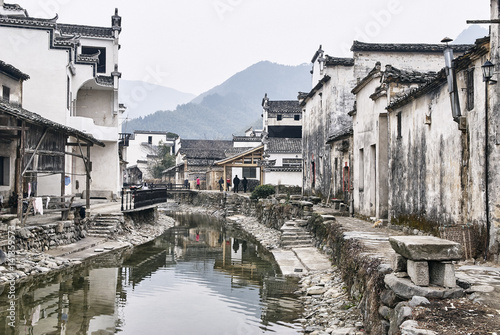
(458, 317)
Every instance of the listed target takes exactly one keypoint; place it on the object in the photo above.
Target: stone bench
(426, 259)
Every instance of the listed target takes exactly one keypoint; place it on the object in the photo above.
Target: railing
(133, 199)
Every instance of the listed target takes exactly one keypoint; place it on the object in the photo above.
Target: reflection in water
(198, 278)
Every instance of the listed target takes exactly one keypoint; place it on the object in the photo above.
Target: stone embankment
(32, 263)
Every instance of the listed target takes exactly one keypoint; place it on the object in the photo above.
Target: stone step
(103, 228)
(97, 234)
(296, 237)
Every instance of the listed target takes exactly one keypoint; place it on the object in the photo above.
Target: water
(197, 278)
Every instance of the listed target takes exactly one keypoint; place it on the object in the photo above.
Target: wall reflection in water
(199, 277)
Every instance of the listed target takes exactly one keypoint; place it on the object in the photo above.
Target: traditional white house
(142, 146)
(74, 82)
(326, 108)
(33, 146)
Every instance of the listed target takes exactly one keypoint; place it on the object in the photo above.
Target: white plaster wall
(9, 150)
(365, 61)
(425, 162)
(246, 144)
(365, 126)
(45, 92)
(283, 178)
(15, 87)
(98, 106)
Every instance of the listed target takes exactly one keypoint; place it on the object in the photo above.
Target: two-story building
(74, 82)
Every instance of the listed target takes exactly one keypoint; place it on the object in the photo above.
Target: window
(296, 117)
(101, 64)
(150, 139)
(279, 117)
(469, 78)
(6, 93)
(249, 172)
(399, 124)
(4, 171)
(292, 162)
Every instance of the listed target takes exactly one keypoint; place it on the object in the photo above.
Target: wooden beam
(85, 144)
(15, 128)
(46, 152)
(483, 21)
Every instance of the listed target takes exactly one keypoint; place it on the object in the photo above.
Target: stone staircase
(105, 225)
(295, 236)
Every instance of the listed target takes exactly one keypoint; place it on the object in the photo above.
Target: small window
(250, 172)
(361, 170)
(469, 77)
(101, 64)
(279, 117)
(6, 93)
(296, 117)
(399, 124)
(150, 139)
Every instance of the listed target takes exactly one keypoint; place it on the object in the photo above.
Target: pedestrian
(244, 182)
(221, 184)
(186, 183)
(236, 183)
(198, 183)
(228, 184)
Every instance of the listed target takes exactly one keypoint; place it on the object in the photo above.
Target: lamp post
(487, 69)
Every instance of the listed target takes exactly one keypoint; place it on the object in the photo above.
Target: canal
(200, 277)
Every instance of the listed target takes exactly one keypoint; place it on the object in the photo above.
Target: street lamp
(487, 69)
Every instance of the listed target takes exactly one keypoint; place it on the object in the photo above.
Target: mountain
(143, 98)
(232, 106)
(469, 35)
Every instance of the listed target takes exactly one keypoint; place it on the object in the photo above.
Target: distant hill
(143, 98)
(469, 35)
(232, 106)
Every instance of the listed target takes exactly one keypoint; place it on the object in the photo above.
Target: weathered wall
(325, 113)
(46, 236)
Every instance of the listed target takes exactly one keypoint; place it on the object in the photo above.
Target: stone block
(406, 289)
(442, 274)
(418, 272)
(398, 263)
(98, 194)
(426, 248)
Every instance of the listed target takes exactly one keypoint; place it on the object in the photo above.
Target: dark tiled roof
(34, 118)
(417, 92)
(105, 80)
(13, 71)
(283, 106)
(332, 61)
(392, 74)
(205, 149)
(341, 133)
(246, 138)
(284, 145)
(236, 150)
(394, 47)
(88, 31)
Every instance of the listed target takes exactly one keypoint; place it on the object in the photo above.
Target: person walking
(228, 182)
(244, 182)
(236, 183)
(198, 183)
(221, 184)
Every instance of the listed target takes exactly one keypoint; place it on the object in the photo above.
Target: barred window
(292, 162)
(469, 78)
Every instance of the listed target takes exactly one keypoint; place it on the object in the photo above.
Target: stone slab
(406, 289)
(288, 263)
(418, 272)
(312, 258)
(426, 248)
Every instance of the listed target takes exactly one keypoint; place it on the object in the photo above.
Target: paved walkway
(484, 278)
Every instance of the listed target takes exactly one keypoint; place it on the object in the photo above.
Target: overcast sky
(194, 45)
